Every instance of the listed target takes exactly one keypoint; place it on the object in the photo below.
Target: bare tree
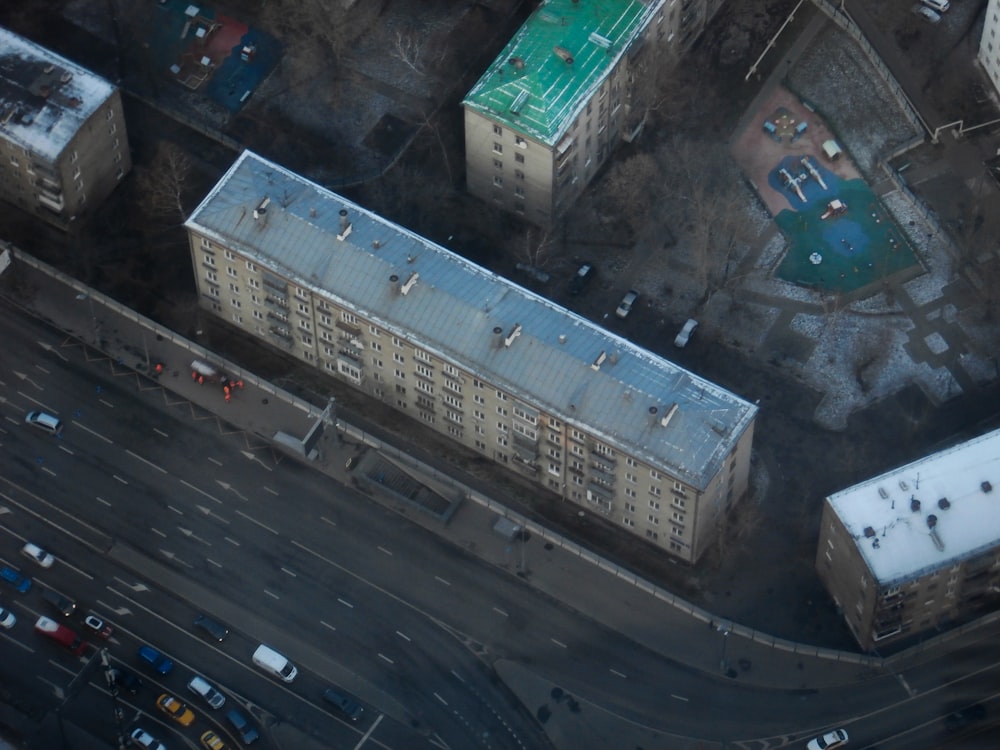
(409, 47)
(633, 186)
(163, 183)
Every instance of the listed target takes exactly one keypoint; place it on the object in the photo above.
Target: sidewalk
(613, 596)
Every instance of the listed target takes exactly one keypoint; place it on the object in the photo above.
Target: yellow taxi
(175, 709)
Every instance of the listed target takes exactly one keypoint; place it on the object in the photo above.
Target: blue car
(242, 726)
(155, 660)
(15, 579)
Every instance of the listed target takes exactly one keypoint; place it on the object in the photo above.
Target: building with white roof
(574, 82)
(522, 381)
(917, 547)
(63, 146)
(989, 44)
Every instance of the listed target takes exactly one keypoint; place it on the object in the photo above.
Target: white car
(927, 14)
(200, 686)
(36, 553)
(681, 339)
(830, 740)
(142, 738)
(7, 618)
(625, 306)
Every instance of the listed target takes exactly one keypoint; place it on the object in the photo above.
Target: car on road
(211, 741)
(345, 704)
(155, 660)
(213, 629)
(830, 740)
(64, 606)
(142, 738)
(628, 301)
(684, 335)
(959, 720)
(98, 626)
(19, 582)
(248, 734)
(45, 422)
(126, 680)
(61, 634)
(7, 618)
(36, 553)
(581, 278)
(175, 709)
(200, 686)
(926, 13)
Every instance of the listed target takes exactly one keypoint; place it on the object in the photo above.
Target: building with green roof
(566, 89)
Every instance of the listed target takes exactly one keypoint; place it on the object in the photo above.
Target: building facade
(917, 547)
(573, 83)
(63, 146)
(989, 44)
(586, 414)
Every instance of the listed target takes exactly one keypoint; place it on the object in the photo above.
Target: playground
(841, 239)
(210, 53)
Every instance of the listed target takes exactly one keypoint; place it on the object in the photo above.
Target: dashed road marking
(385, 551)
(441, 580)
(560, 644)
(385, 658)
(272, 595)
(345, 603)
(404, 636)
(500, 612)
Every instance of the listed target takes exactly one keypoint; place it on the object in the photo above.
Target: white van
(271, 661)
(939, 5)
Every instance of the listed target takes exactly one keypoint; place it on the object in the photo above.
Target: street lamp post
(113, 689)
(723, 664)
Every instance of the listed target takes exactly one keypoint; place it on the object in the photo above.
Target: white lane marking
(286, 570)
(327, 520)
(368, 734)
(64, 449)
(92, 432)
(178, 511)
(441, 699)
(441, 580)
(404, 636)
(157, 531)
(327, 625)
(215, 461)
(123, 481)
(159, 432)
(229, 488)
(345, 602)
(17, 643)
(679, 697)
(171, 556)
(102, 500)
(385, 658)
(198, 489)
(146, 461)
(47, 518)
(136, 587)
(385, 551)
(254, 520)
(268, 489)
(49, 471)
(617, 673)
(560, 644)
(39, 367)
(120, 611)
(106, 403)
(75, 569)
(500, 612)
(59, 692)
(213, 562)
(231, 541)
(273, 596)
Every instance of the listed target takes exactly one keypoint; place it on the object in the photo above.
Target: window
(518, 174)
(497, 130)
(498, 164)
(501, 395)
(519, 158)
(519, 191)
(232, 272)
(653, 519)
(497, 181)
(519, 141)
(497, 148)
(398, 343)
(254, 284)
(235, 303)
(400, 374)
(234, 288)
(628, 521)
(654, 505)
(502, 411)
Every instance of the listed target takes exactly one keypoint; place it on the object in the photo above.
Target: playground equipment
(792, 183)
(813, 171)
(834, 208)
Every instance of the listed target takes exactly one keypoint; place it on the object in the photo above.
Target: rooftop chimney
(599, 361)
(563, 54)
(514, 333)
(261, 210)
(409, 283)
(669, 415)
(345, 226)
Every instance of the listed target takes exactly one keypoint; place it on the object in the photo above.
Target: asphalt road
(157, 512)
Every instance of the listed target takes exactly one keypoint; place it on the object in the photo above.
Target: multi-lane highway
(157, 513)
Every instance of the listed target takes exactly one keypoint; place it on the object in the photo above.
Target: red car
(98, 626)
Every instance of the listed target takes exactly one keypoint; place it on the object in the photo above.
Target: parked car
(926, 13)
(155, 660)
(628, 301)
(243, 727)
(200, 686)
(7, 619)
(64, 606)
(211, 741)
(175, 709)
(15, 579)
(344, 704)
(97, 625)
(36, 553)
(581, 278)
(126, 680)
(45, 422)
(830, 740)
(682, 338)
(215, 630)
(142, 738)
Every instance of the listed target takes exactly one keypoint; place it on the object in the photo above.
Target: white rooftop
(958, 491)
(544, 354)
(44, 98)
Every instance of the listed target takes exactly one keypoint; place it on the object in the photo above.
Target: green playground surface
(843, 253)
